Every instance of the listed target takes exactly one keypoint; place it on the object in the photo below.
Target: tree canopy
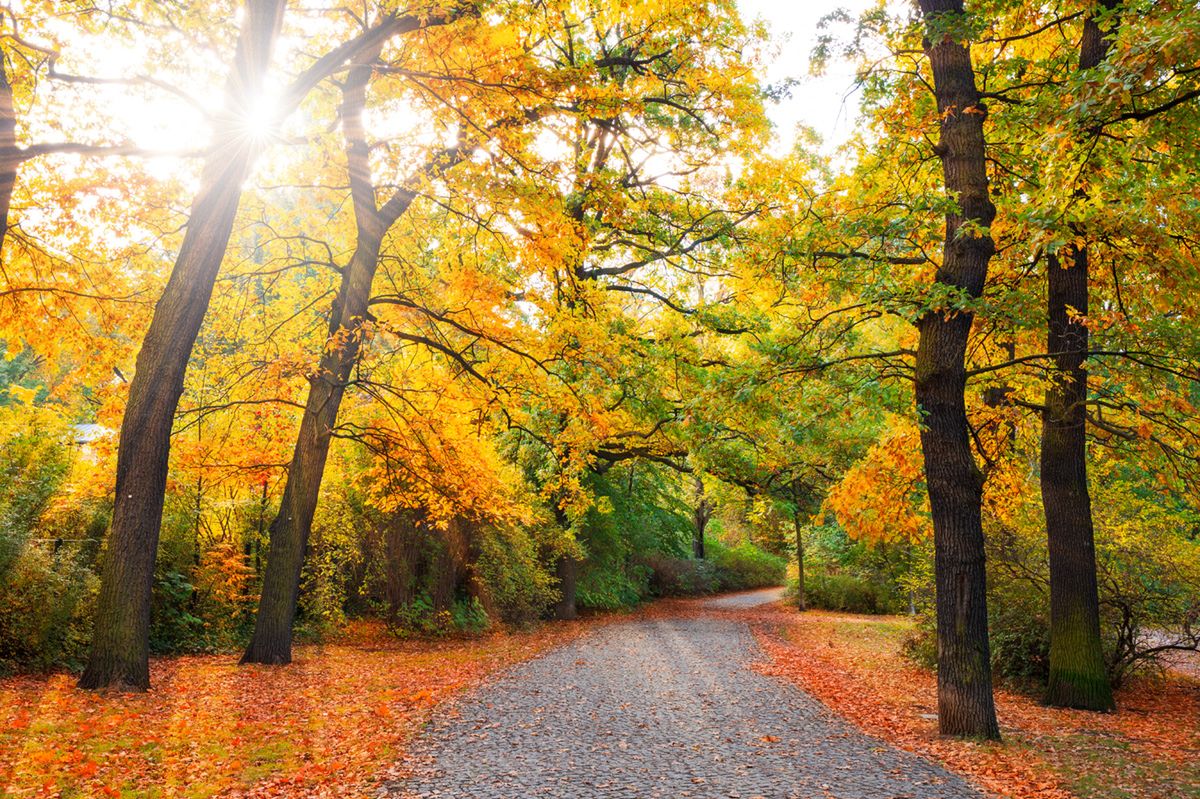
(458, 312)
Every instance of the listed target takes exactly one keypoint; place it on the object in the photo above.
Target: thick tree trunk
(120, 644)
(1078, 674)
(965, 702)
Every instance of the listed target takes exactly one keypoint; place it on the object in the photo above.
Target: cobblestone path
(659, 708)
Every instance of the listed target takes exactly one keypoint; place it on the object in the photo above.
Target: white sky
(826, 103)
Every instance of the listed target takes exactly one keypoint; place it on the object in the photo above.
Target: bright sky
(826, 103)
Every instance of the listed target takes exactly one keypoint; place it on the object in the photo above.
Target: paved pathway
(659, 708)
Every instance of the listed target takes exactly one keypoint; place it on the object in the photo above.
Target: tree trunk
(1078, 674)
(801, 596)
(120, 644)
(567, 571)
(271, 641)
(702, 514)
(8, 150)
(965, 702)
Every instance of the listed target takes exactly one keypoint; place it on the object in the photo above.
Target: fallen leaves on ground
(324, 726)
(1148, 749)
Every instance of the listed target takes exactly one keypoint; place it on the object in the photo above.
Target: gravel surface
(660, 708)
(746, 599)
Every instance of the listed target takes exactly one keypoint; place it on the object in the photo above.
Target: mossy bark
(1078, 672)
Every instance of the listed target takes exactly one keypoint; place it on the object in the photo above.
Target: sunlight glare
(260, 120)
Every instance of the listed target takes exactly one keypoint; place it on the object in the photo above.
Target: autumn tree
(1078, 675)
(119, 655)
(965, 703)
(271, 642)
(119, 648)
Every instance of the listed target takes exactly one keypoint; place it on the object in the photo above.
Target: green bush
(744, 566)
(610, 589)
(520, 586)
(738, 568)
(420, 617)
(670, 576)
(851, 594)
(173, 625)
(46, 603)
(469, 616)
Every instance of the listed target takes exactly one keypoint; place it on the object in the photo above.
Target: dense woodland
(465, 314)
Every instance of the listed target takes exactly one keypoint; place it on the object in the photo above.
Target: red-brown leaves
(854, 665)
(324, 726)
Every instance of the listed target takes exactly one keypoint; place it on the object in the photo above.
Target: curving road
(659, 708)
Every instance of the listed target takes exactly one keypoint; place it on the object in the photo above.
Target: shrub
(46, 602)
(744, 566)
(670, 576)
(851, 594)
(726, 568)
(173, 625)
(610, 589)
(420, 617)
(469, 616)
(520, 586)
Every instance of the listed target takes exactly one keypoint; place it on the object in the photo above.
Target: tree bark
(567, 571)
(120, 644)
(798, 526)
(9, 157)
(801, 595)
(1078, 673)
(271, 641)
(965, 703)
(702, 514)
